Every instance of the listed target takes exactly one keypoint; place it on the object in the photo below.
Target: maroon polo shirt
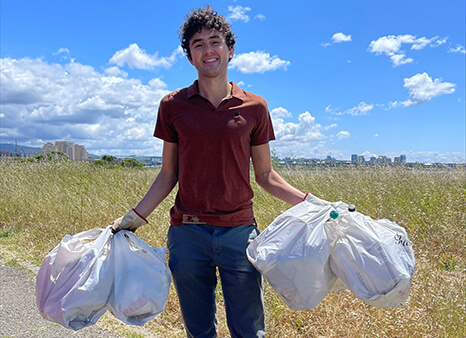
(214, 150)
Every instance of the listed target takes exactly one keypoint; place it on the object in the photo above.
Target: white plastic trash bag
(293, 252)
(142, 279)
(96, 270)
(305, 253)
(74, 281)
(375, 260)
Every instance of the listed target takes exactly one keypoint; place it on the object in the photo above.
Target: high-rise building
(382, 159)
(47, 148)
(400, 159)
(80, 153)
(65, 147)
(75, 152)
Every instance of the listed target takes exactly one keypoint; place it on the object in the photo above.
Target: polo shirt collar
(236, 91)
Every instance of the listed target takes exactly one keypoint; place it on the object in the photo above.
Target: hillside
(21, 148)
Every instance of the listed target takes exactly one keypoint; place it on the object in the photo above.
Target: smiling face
(209, 53)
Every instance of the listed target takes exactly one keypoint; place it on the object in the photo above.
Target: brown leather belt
(192, 219)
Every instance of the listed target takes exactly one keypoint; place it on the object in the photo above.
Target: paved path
(19, 316)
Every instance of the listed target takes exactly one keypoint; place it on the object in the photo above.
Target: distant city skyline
(79, 152)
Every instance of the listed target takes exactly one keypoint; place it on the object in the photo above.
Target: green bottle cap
(333, 214)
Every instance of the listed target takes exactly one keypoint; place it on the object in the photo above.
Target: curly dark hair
(200, 18)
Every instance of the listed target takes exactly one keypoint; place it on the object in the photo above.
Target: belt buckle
(192, 219)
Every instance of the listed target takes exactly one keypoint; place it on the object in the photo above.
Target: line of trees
(108, 161)
(53, 155)
(111, 162)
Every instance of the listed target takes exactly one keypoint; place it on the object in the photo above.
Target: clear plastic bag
(74, 282)
(305, 253)
(142, 279)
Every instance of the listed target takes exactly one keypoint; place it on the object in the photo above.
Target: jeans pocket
(254, 232)
(169, 237)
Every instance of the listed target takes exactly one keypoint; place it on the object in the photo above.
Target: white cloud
(136, 57)
(64, 54)
(260, 17)
(318, 151)
(361, 109)
(334, 125)
(295, 137)
(391, 46)
(257, 62)
(50, 102)
(422, 88)
(434, 157)
(458, 49)
(343, 134)
(238, 13)
(62, 51)
(279, 114)
(116, 72)
(340, 37)
(337, 38)
(400, 59)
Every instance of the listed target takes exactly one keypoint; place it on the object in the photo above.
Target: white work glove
(131, 221)
(315, 200)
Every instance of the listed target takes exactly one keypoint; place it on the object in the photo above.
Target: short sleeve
(164, 128)
(263, 132)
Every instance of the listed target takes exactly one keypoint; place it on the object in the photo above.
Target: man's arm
(163, 183)
(269, 179)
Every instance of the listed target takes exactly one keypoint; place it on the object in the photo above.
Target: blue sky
(364, 77)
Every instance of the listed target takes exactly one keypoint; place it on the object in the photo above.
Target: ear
(230, 55)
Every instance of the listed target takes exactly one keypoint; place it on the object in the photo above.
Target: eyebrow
(210, 37)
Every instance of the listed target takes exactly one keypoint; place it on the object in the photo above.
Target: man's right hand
(131, 221)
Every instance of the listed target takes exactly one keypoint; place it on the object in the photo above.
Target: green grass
(129, 334)
(42, 202)
(13, 263)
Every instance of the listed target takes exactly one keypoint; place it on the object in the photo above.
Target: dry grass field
(42, 202)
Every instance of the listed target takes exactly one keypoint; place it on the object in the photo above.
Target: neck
(214, 89)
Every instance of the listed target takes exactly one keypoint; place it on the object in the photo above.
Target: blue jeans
(196, 250)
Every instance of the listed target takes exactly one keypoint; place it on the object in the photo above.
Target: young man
(211, 130)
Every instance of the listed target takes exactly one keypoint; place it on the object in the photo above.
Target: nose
(207, 49)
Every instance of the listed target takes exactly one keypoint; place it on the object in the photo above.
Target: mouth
(210, 60)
